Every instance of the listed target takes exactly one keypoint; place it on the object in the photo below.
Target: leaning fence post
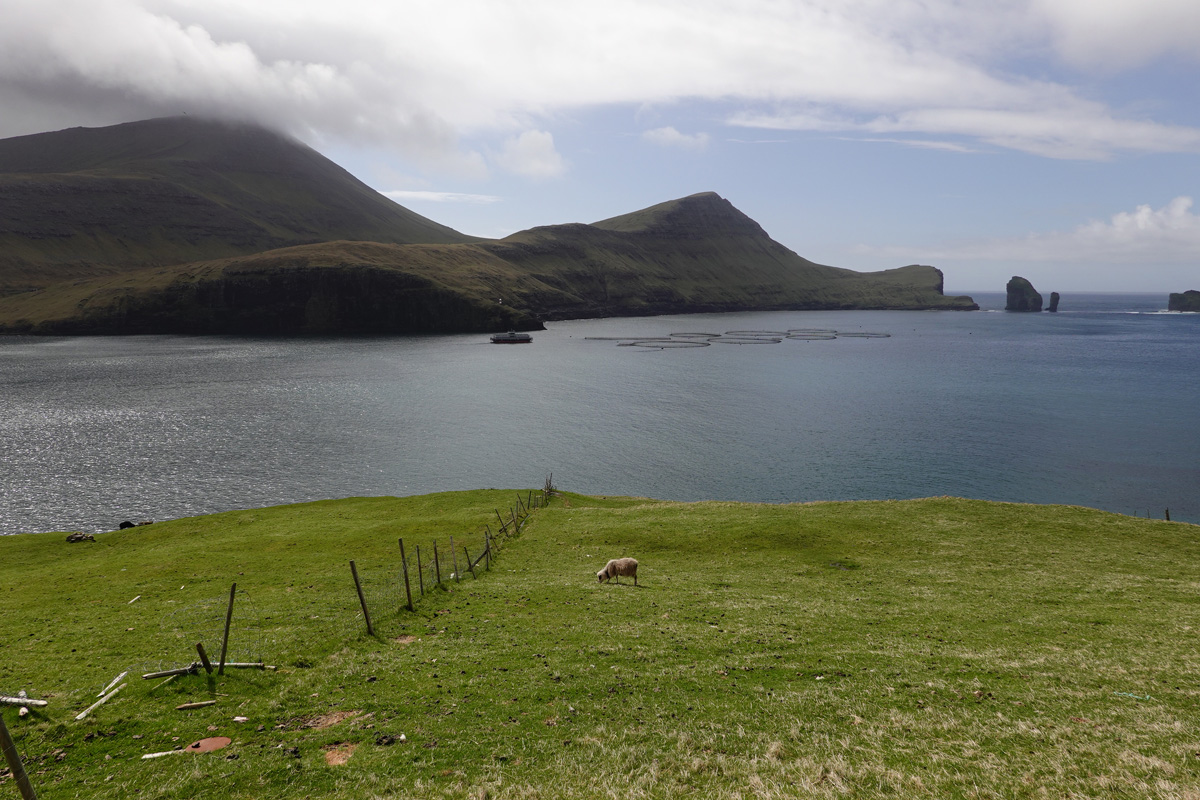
(487, 549)
(470, 566)
(404, 564)
(204, 657)
(225, 639)
(362, 599)
(437, 564)
(14, 763)
(457, 577)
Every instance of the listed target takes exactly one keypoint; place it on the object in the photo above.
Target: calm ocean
(1097, 405)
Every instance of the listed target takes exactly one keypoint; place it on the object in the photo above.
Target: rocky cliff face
(1184, 301)
(358, 299)
(1022, 296)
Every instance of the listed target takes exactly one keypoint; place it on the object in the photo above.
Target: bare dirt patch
(404, 639)
(338, 754)
(329, 720)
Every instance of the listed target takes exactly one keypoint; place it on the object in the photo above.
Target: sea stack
(1053, 302)
(1184, 301)
(1022, 296)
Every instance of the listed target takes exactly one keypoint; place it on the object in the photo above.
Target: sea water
(1096, 405)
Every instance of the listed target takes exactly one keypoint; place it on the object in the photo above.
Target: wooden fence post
(14, 763)
(437, 563)
(487, 549)
(225, 638)
(457, 577)
(503, 524)
(204, 657)
(404, 564)
(470, 566)
(420, 571)
(362, 599)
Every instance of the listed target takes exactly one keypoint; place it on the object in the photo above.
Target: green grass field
(941, 647)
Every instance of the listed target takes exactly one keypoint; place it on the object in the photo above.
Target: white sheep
(618, 567)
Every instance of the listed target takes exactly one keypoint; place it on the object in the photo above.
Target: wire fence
(232, 631)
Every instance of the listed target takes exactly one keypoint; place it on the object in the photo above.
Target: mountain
(98, 201)
(699, 253)
(188, 226)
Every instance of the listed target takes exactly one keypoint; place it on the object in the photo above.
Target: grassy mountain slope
(181, 225)
(694, 254)
(84, 201)
(699, 253)
(939, 647)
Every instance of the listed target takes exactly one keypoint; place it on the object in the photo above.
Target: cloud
(531, 155)
(921, 144)
(669, 137)
(1167, 235)
(423, 77)
(1060, 127)
(404, 195)
(1113, 35)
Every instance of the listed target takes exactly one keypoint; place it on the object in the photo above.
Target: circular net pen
(664, 344)
(811, 334)
(643, 341)
(748, 340)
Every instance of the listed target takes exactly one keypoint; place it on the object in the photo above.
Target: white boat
(512, 337)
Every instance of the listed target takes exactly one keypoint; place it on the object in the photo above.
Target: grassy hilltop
(940, 647)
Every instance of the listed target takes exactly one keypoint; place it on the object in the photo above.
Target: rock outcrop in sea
(1053, 302)
(1022, 296)
(1184, 301)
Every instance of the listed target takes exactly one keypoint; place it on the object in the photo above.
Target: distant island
(181, 225)
(1184, 301)
(1021, 296)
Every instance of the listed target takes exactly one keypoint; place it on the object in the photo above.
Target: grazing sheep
(618, 567)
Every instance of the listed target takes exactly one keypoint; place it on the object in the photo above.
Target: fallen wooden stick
(100, 702)
(112, 683)
(164, 683)
(200, 704)
(195, 665)
(22, 701)
(163, 753)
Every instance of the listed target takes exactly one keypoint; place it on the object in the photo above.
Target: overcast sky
(1054, 139)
